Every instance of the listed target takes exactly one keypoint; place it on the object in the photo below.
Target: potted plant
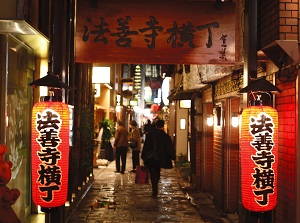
(183, 166)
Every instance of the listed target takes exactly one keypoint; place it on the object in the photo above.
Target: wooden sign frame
(155, 32)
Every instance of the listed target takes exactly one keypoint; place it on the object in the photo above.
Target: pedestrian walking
(158, 152)
(135, 135)
(147, 127)
(153, 125)
(121, 146)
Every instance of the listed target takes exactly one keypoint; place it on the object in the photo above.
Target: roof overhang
(283, 52)
(181, 95)
(260, 85)
(24, 32)
(184, 95)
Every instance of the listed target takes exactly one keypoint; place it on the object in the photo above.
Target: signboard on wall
(155, 32)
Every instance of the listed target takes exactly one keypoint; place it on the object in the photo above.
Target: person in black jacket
(165, 153)
(147, 127)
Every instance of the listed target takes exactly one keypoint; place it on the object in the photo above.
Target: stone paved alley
(130, 202)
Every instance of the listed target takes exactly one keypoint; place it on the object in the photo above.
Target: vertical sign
(259, 158)
(50, 153)
(137, 81)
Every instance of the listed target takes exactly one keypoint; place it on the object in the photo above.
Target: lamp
(118, 98)
(210, 120)
(185, 104)
(101, 75)
(259, 156)
(118, 102)
(50, 134)
(50, 117)
(259, 138)
(133, 103)
(234, 120)
(182, 123)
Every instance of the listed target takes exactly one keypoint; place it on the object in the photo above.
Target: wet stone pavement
(129, 202)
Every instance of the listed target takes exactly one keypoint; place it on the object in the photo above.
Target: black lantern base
(50, 210)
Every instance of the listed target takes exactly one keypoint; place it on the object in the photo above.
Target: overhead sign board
(155, 32)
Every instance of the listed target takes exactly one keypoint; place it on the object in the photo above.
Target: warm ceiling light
(210, 120)
(185, 104)
(101, 75)
(234, 120)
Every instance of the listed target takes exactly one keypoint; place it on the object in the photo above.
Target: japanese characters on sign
(262, 128)
(258, 158)
(178, 35)
(133, 31)
(50, 156)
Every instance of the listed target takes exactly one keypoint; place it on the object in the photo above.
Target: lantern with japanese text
(259, 158)
(50, 153)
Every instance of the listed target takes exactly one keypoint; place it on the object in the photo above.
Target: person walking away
(147, 127)
(165, 153)
(135, 135)
(153, 125)
(121, 146)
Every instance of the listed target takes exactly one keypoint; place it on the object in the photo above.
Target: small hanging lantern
(50, 153)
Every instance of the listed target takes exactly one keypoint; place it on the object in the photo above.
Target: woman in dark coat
(165, 153)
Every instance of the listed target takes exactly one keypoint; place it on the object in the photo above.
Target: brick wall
(288, 13)
(287, 152)
(268, 22)
(277, 20)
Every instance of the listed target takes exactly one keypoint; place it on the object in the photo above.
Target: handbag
(141, 175)
(132, 143)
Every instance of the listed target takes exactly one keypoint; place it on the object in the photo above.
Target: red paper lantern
(259, 158)
(50, 153)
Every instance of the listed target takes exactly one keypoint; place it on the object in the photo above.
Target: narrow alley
(131, 202)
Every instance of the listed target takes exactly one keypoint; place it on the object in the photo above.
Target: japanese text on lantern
(262, 129)
(49, 172)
